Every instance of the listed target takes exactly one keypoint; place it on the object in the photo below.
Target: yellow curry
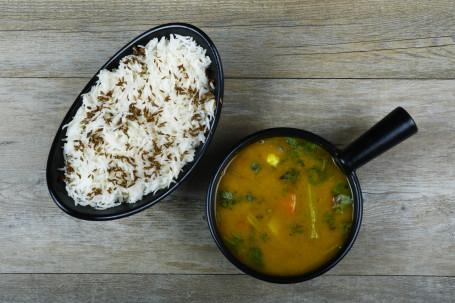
(283, 207)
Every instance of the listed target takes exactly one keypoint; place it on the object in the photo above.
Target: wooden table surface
(330, 67)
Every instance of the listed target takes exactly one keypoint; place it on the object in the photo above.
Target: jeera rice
(140, 124)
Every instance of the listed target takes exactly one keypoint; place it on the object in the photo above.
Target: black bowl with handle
(391, 130)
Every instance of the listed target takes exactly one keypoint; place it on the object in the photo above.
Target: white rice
(140, 124)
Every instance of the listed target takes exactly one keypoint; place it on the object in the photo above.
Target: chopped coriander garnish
(250, 197)
(235, 241)
(233, 172)
(310, 147)
(346, 226)
(284, 189)
(316, 175)
(329, 220)
(292, 142)
(264, 238)
(293, 174)
(255, 167)
(341, 188)
(229, 241)
(252, 236)
(227, 198)
(307, 146)
(236, 236)
(340, 202)
(255, 256)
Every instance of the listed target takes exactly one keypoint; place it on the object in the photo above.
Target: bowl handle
(394, 128)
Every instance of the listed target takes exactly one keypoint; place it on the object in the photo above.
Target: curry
(283, 207)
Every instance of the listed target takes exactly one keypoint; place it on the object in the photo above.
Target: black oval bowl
(283, 132)
(55, 160)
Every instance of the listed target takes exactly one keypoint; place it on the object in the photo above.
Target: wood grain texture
(333, 67)
(252, 52)
(290, 39)
(105, 15)
(408, 210)
(223, 288)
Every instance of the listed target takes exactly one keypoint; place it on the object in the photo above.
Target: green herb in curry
(255, 256)
(293, 196)
(250, 197)
(255, 167)
(340, 202)
(329, 220)
(293, 174)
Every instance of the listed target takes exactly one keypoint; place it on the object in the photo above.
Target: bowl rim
(211, 199)
(151, 198)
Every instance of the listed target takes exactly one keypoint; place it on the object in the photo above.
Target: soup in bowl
(280, 208)
(285, 205)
